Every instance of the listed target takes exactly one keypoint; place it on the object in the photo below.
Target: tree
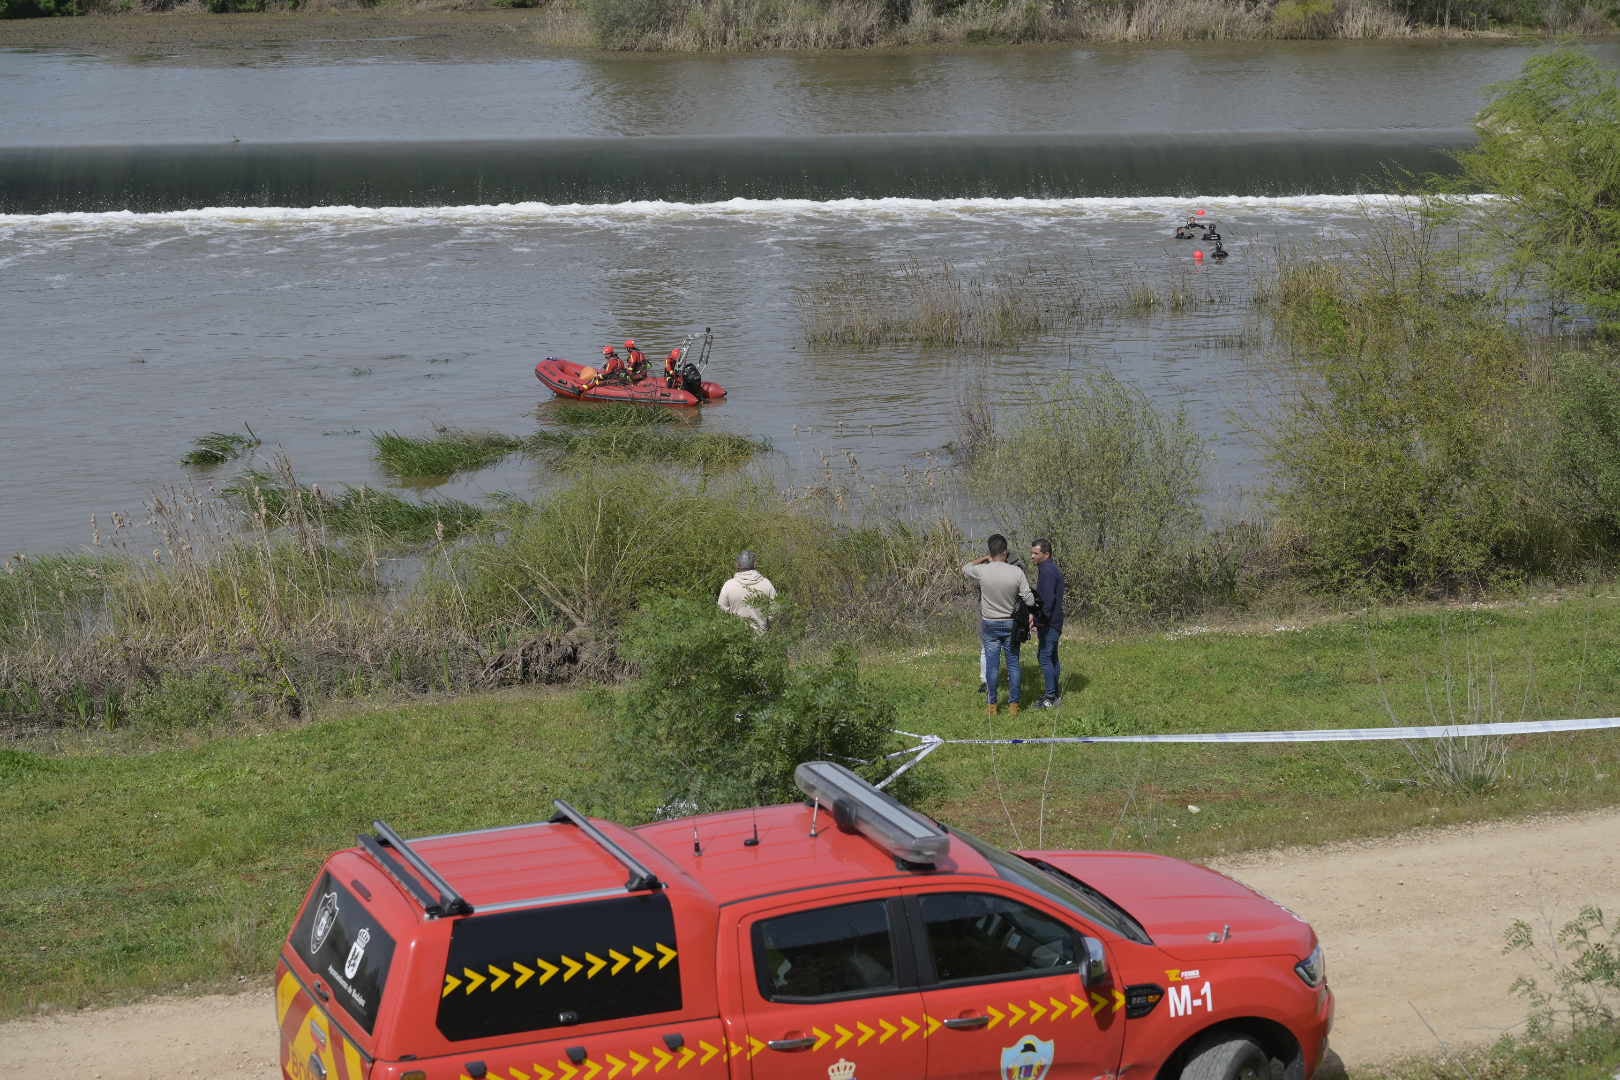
(1550, 148)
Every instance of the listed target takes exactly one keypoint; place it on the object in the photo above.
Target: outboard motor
(692, 381)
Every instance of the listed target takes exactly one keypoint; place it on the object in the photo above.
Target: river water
(327, 249)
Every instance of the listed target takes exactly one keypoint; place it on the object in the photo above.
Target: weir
(148, 178)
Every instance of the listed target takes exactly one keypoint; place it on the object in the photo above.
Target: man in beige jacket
(746, 591)
(1001, 586)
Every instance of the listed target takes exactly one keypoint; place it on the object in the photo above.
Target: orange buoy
(1198, 255)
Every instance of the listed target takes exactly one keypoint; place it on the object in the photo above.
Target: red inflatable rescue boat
(570, 380)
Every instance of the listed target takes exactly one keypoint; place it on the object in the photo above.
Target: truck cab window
(979, 936)
(825, 953)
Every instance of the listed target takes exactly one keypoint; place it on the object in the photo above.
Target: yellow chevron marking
(640, 1062)
(911, 1028)
(597, 964)
(1079, 1004)
(516, 1072)
(474, 979)
(995, 1017)
(754, 1046)
(665, 954)
(1015, 1014)
(619, 960)
(933, 1025)
(546, 971)
(708, 1052)
(1098, 1003)
(493, 1075)
(1119, 1000)
(527, 974)
(888, 1031)
(822, 1038)
(450, 983)
(664, 1058)
(736, 1051)
(497, 977)
(615, 1066)
(844, 1035)
(643, 957)
(687, 1054)
(541, 1072)
(572, 967)
(1037, 1011)
(566, 1070)
(866, 1033)
(286, 991)
(1058, 1008)
(591, 1069)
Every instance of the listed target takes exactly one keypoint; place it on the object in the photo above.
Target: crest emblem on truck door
(356, 952)
(325, 919)
(1027, 1059)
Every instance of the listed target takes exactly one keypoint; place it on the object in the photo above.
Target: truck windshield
(1063, 888)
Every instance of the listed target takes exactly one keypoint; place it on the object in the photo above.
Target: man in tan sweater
(1001, 586)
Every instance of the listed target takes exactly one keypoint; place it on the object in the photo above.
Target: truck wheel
(1228, 1059)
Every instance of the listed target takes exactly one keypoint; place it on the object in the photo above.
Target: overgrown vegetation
(450, 451)
(279, 501)
(218, 447)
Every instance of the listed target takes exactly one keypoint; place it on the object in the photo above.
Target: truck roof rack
(448, 902)
(640, 877)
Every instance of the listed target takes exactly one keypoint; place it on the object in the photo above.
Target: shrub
(1549, 145)
(1303, 18)
(718, 716)
(181, 702)
(1114, 484)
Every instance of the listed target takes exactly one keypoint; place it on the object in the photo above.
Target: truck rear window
(343, 945)
(549, 967)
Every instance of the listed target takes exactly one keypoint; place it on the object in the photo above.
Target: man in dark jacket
(1049, 590)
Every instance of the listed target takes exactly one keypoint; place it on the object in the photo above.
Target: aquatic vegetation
(449, 452)
(218, 447)
(610, 414)
(359, 511)
(636, 442)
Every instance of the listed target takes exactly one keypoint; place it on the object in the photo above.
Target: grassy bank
(181, 864)
(518, 28)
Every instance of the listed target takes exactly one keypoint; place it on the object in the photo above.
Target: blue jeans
(996, 637)
(1051, 670)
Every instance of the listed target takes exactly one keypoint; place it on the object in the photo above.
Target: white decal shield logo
(325, 919)
(1027, 1059)
(356, 952)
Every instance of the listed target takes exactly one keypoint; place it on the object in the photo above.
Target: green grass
(1591, 1054)
(449, 452)
(610, 414)
(218, 447)
(360, 512)
(134, 873)
(638, 442)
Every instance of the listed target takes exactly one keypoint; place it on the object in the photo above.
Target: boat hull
(563, 378)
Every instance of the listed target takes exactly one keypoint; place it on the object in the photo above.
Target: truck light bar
(859, 807)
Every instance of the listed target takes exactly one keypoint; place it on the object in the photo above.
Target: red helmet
(607, 350)
(674, 354)
(630, 343)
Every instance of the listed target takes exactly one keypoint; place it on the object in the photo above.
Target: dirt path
(1413, 929)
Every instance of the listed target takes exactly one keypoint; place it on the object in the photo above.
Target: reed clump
(218, 447)
(606, 444)
(367, 512)
(449, 452)
(937, 305)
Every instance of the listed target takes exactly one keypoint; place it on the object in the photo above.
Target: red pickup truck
(849, 938)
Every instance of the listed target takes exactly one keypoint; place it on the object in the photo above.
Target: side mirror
(1093, 964)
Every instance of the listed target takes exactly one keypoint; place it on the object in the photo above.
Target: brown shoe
(992, 709)
(1012, 708)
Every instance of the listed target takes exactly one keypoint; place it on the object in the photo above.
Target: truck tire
(1231, 1058)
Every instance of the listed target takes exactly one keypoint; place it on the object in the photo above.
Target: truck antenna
(815, 809)
(753, 841)
(697, 845)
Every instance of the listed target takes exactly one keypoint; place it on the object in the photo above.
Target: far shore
(481, 34)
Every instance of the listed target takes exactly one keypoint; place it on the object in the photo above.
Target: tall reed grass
(449, 452)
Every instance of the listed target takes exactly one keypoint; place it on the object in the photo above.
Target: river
(326, 248)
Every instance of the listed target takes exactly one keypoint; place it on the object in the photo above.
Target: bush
(1549, 145)
(718, 717)
(1115, 485)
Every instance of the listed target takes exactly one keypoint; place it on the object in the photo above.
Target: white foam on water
(631, 213)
